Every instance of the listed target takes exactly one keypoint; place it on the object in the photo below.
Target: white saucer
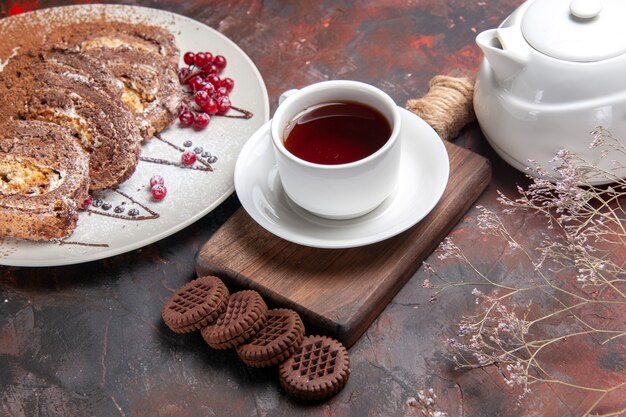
(424, 169)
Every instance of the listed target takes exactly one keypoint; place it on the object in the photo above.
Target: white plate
(424, 169)
(191, 193)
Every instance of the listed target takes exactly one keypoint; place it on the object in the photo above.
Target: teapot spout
(503, 52)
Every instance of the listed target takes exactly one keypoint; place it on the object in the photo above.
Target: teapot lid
(576, 30)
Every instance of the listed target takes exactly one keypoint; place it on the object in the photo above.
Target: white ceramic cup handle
(286, 94)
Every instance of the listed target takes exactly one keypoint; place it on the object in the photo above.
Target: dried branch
(579, 268)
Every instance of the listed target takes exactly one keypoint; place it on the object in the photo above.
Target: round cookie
(244, 316)
(275, 341)
(195, 305)
(318, 369)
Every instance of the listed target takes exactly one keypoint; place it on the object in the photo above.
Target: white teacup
(337, 191)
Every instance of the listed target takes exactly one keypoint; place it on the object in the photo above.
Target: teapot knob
(585, 9)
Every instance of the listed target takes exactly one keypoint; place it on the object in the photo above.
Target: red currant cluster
(157, 187)
(210, 92)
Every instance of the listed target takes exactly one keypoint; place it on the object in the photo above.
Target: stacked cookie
(108, 86)
(276, 341)
(310, 367)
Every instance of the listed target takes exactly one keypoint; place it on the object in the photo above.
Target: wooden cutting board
(339, 292)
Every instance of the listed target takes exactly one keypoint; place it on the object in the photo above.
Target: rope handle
(447, 106)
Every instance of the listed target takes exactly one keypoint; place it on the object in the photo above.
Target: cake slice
(44, 178)
(151, 90)
(114, 35)
(143, 58)
(42, 86)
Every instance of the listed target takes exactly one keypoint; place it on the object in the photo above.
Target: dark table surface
(88, 339)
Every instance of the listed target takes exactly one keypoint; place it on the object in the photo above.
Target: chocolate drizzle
(92, 245)
(152, 214)
(206, 166)
(245, 114)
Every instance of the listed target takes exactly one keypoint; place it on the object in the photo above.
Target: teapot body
(530, 105)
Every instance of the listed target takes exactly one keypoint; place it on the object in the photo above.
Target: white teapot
(552, 72)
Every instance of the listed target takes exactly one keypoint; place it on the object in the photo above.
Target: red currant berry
(221, 92)
(182, 107)
(220, 62)
(87, 202)
(156, 179)
(208, 60)
(214, 79)
(202, 121)
(228, 84)
(223, 104)
(200, 60)
(210, 107)
(158, 192)
(201, 97)
(189, 58)
(182, 74)
(209, 88)
(196, 83)
(210, 69)
(188, 158)
(186, 118)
